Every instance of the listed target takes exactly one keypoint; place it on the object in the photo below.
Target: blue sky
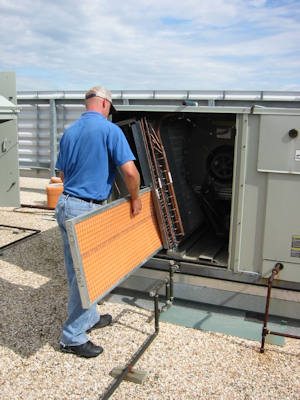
(149, 44)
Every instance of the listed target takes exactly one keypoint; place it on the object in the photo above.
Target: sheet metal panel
(282, 229)
(277, 151)
(9, 168)
(108, 244)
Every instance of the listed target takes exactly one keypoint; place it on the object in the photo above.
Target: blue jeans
(79, 319)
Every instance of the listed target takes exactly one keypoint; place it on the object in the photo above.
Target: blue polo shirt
(90, 150)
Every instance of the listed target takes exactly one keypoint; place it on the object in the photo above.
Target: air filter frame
(141, 232)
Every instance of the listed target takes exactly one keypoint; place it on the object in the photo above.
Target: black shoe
(86, 350)
(104, 321)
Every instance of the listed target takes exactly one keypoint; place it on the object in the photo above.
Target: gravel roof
(182, 363)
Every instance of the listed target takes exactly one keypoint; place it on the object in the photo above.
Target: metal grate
(164, 188)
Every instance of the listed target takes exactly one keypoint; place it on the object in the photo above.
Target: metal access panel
(282, 227)
(279, 156)
(9, 165)
(109, 244)
(9, 157)
(279, 144)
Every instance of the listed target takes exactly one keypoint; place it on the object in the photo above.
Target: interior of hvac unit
(200, 153)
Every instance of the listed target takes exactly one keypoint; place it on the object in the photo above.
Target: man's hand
(132, 180)
(136, 206)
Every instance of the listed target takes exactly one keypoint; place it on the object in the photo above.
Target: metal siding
(66, 115)
(34, 133)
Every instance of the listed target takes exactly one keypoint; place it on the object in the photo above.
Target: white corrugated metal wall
(35, 130)
(34, 135)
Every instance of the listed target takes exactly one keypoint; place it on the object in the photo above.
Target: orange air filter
(108, 244)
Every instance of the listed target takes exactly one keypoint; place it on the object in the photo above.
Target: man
(90, 151)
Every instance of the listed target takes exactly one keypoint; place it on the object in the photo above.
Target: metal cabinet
(9, 157)
(279, 144)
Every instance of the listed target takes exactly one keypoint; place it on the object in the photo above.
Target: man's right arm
(132, 181)
(62, 176)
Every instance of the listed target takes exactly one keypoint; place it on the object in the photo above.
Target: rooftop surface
(183, 362)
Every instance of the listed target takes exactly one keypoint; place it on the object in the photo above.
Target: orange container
(55, 179)
(54, 190)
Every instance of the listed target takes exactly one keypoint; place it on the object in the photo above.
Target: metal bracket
(169, 301)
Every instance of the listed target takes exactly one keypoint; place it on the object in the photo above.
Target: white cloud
(220, 44)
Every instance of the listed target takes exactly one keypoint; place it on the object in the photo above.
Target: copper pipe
(278, 267)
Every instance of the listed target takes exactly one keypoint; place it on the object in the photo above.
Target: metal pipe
(153, 293)
(156, 313)
(196, 262)
(264, 329)
(158, 287)
(168, 291)
(170, 287)
(173, 268)
(129, 367)
(283, 334)
(19, 227)
(166, 307)
(139, 354)
(278, 267)
(35, 231)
